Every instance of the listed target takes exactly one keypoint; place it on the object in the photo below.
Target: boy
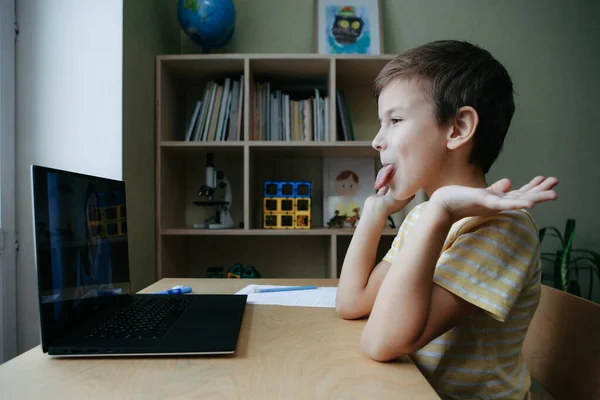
(459, 286)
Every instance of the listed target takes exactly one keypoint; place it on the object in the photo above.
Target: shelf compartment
(360, 71)
(274, 257)
(195, 69)
(182, 175)
(290, 79)
(354, 81)
(282, 166)
(182, 83)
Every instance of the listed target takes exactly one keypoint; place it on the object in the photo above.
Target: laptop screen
(80, 231)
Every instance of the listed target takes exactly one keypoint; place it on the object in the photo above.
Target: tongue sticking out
(384, 176)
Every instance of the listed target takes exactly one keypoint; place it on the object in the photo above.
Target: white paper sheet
(319, 297)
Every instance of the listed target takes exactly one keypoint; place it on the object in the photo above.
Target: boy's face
(409, 138)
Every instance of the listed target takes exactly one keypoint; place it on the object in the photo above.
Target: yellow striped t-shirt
(494, 263)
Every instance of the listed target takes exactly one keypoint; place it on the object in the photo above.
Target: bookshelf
(274, 140)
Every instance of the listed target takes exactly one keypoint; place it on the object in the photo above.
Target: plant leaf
(590, 252)
(569, 228)
(552, 231)
(581, 258)
(566, 254)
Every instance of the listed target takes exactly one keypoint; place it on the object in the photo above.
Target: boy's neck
(469, 175)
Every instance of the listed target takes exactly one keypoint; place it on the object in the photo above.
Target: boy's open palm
(462, 201)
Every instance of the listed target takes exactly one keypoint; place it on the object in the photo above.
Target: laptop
(85, 299)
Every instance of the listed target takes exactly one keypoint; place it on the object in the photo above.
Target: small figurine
(353, 219)
(337, 221)
(250, 272)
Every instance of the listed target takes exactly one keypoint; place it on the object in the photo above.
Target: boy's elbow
(382, 349)
(347, 310)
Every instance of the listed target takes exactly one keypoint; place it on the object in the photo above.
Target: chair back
(562, 346)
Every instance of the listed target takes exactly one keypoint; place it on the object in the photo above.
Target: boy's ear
(463, 128)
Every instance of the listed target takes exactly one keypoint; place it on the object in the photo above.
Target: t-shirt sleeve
(490, 261)
(409, 221)
(390, 256)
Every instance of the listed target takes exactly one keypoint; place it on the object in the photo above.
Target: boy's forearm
(402, 307)
(353, 297)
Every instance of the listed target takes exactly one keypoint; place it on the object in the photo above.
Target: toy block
(278, 204)
(273, 220)
(303, 189)
(287, 205)
(270, 204)
(287, 221)
(272, 189)
(270, 221)
(302, 220)
(303, 204)
(288, 189)
(250, 272)
(235, 272)
(279, 189)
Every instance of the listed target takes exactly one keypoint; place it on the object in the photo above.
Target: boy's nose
(378, 142)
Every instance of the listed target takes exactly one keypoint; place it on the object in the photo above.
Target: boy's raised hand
(385, 203)
(461, 201)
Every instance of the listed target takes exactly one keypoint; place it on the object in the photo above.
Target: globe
(208, 23)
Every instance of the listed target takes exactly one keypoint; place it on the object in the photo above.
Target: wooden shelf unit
(183, 251)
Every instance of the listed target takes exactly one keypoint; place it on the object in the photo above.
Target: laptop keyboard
(146, 318)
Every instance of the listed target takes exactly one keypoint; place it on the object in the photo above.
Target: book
(298, 113)
(218, 115)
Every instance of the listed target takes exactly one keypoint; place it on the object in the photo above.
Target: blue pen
(179, 289)
(284, 289)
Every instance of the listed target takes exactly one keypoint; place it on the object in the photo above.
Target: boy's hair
(456, 74)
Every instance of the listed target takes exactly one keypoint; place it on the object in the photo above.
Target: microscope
(215, 180)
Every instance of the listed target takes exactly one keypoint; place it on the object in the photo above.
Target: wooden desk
(282, 353)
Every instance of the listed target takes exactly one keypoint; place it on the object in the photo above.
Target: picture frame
(347, 183)
(348, 27)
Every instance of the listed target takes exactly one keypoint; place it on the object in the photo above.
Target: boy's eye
(395, 120)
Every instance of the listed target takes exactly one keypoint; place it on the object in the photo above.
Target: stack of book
(218, 115)
(295, 114)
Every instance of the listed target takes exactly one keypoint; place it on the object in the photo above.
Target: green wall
(549, 47)
(149, 28)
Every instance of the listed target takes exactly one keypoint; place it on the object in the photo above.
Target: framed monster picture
(348, 27)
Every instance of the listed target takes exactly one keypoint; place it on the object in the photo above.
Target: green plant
(568, 261)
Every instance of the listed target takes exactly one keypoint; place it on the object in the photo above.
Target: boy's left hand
(462, 201)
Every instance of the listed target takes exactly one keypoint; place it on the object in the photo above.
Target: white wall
(69, 111)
